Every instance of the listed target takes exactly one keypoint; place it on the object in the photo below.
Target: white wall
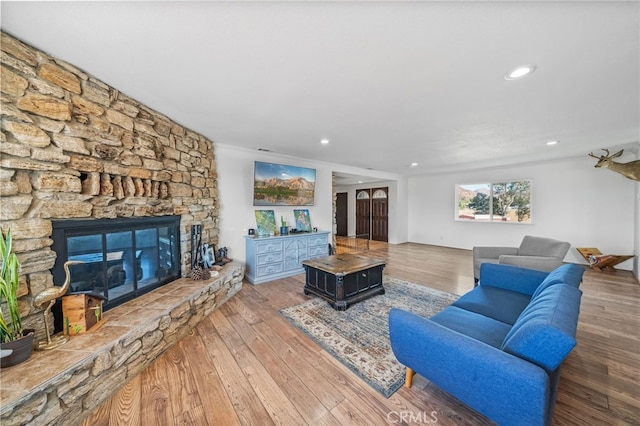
(235, 190)
(572, 201)
(636, 242)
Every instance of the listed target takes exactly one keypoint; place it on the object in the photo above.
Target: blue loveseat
(499, 347)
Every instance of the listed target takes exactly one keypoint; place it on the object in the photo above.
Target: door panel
(342, 213)
(380, 214)
(363, 211)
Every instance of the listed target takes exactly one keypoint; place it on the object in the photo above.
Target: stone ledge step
(132, 336)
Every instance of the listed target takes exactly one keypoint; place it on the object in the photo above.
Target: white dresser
(270, 258)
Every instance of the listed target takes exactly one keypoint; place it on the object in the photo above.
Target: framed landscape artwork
(281, 185)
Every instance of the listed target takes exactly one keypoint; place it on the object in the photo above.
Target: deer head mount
(629, 170)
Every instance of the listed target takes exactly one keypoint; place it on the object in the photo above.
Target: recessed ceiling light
(413, 165)
(550, 143)
(519, 72)
(324, 141)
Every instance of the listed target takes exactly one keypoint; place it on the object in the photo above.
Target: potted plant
(15, 343)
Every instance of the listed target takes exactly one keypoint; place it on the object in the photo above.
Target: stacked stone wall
(72, 146)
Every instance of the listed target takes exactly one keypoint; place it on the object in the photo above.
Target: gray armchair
(544, 254)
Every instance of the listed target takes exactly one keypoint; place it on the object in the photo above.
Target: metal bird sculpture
(50, 295)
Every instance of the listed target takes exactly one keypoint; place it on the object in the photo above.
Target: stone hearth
(65, 385)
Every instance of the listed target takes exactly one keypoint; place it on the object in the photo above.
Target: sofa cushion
(545, 331)
(514, 278)
(541, 246)
(497, 303)
(476, 326)
(566, 274)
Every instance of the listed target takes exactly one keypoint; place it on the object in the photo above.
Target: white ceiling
(389, 83)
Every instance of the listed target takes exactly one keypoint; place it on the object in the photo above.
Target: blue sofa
(499, 347)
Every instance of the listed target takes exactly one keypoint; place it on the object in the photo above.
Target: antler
(602, 157)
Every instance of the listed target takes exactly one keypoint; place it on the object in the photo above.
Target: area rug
(359, 336)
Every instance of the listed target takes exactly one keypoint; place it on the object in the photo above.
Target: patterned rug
(359, 336)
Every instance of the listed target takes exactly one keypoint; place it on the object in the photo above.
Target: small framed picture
(303, 220)
(208, 256)
(266, 222)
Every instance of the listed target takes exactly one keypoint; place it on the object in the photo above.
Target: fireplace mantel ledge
(130, 338)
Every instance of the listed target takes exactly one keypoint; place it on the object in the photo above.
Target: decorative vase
(17, 351)
(284, 230)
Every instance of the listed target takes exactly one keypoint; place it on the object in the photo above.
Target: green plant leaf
(9, 282)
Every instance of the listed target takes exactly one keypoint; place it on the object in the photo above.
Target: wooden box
(80, 312)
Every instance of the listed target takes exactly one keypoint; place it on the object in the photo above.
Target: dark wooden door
(380, 214)
(363, 213)
(342, 213)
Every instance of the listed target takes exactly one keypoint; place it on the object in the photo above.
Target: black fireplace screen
(123, 258)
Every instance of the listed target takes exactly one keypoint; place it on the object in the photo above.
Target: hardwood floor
(245, 364)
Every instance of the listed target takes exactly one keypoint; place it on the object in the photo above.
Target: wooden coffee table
(343, 279)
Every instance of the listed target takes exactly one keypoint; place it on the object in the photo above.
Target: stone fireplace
(74, 148)
(123, 258)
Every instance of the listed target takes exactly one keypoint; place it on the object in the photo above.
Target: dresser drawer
(317, 240)
(273, 268)
(263, 259)
(268, 246)
(318, 251)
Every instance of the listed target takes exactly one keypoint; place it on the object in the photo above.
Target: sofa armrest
(505, 388)
(541, 263)
(493, 252)
(489, 254)
(514, 278)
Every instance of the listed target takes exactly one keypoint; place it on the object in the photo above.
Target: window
(379, 193)
(494, 202)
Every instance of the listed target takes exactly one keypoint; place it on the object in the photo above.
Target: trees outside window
(508, 201)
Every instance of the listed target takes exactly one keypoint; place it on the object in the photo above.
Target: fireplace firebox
(123, 258)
